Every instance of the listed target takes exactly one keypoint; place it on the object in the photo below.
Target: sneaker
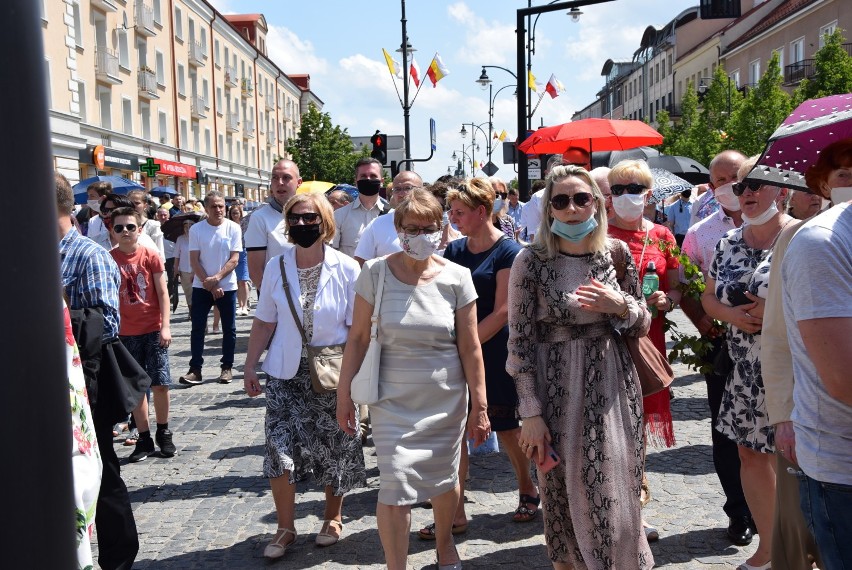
(193, 377)
(226, 376)
(144, 448)
(164, 441)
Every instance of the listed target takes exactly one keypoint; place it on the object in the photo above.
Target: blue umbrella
(163, 191)
(120, 185)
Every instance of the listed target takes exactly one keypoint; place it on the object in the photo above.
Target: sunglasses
(632, 188)
(503, 195)
(119, 228)
(739, 188)
(308, 218)
(581, 200)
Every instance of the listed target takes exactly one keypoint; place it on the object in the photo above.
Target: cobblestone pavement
(209, 506)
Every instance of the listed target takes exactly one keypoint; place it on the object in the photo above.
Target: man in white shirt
(265, 235)
(214, 250)
(352, 219)
(379, 237)
(723, 169)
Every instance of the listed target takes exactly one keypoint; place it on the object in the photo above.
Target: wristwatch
(671, 304)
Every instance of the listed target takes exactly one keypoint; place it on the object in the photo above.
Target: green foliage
(324, 151)
(833, 71)
(682, 138)
(764, 108)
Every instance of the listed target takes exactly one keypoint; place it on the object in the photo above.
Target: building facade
(167, 93)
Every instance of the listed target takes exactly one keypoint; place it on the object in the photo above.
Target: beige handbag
(365, 384)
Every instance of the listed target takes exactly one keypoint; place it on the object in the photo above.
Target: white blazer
(333, 306)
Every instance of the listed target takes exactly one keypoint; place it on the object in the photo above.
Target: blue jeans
(828, 513)
(202, 302)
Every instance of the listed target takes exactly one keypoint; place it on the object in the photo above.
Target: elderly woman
(736, 291)
(489, 254)
(235, 214)
(578, 388)
(431, 359)
(302, 435)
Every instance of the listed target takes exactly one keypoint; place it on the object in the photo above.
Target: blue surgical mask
(498, 205)
(574, 232)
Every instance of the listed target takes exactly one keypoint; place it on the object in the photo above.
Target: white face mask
(725, 196)
(762, 218)
(826, 204)
(94, 205)
(842, 194)
(421, 246)
(498, 205)
(629, 207)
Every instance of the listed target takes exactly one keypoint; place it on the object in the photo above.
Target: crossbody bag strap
(377, 302)
(286, 285)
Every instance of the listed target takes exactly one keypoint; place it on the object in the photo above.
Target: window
(181, 80)
(164, 129)
(157, 13)
(204, 93)
(184, 137)
(207, 149)
(219, 101)
(230, 148)
(754, 71)
(216, 53)
(178, 24)
(735, 77)
(161, 69)
(797, 50)
(204, 43)
(196, 136)
(221, 148)
(47, 82)
(826, 31)
(127, 116)
(81, 97)
(78, 24)
(43, 10)
(190, 24)
(663, 67)
(145, 120)
(260, 126)
(123, 50)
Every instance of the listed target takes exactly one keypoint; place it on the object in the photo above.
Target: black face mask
(368, 186)
(305, 235)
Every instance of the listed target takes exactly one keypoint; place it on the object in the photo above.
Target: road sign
(433, 134)
(490, 169)
(534, 168)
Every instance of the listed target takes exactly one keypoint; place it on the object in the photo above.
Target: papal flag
(503, 135)
(531, 81)
(554, 87)
(393, 66)
(437, 70)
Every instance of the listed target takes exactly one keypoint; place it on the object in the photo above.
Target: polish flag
(414, 70)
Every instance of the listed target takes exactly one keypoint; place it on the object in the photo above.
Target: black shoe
(164, 440)
(144, 448)
(741, 530)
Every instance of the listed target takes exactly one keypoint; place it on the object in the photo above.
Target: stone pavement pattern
(209, 506)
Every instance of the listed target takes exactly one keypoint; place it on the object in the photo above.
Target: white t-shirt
(531, 214)
(816, 278)
(266, 231)
(379, 238)
(701, 239)
(182, 254)
(97, 229)
(215, 243)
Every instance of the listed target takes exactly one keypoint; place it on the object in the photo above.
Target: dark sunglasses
(309, 218)
(632, 188)
(118, 228)
(739, 188)
(581, 200)
(503, 195)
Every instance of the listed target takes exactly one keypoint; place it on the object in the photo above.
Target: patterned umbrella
(666, 184)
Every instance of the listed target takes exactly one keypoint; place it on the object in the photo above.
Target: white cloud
(485, 43)
(293, 54)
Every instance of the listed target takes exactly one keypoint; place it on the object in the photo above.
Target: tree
(832, 71)
(764, 108)
(719, 101)
(323, 151)
(683, 135)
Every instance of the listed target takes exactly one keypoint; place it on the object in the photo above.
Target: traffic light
(380, 147)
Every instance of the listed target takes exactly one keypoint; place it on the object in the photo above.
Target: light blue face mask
(574, 232)
(498, 205)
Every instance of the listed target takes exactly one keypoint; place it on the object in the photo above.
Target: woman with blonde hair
(579, 393)
(314, 283)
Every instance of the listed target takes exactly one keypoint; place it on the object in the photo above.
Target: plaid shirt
(91, 278)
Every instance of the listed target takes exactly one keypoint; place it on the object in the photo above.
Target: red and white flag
(414, 71)
(554, 87)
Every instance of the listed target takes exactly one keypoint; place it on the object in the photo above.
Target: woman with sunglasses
(737, 286)
(630, 183)
(302, 435)
(489, 254)
(500, 209)
(577, 387)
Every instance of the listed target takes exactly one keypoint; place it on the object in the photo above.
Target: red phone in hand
(551, 460)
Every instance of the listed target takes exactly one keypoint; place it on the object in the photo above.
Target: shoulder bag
(655, 372)
(323, 361)
(365, 384)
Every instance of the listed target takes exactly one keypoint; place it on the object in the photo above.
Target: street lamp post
(702, 88)
(461, 161)
(473, 126)
(406, 105)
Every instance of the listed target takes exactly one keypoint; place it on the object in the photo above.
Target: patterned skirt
(302, 436)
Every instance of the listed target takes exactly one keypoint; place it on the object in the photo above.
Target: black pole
(35, 410)
(490, 119)
(406, 108)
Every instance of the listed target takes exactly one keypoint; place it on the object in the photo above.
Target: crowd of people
(493, 317)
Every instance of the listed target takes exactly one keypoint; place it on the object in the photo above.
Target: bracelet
(671, 304)
(625, 312)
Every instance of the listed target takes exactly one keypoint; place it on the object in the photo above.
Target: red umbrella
(591, 135)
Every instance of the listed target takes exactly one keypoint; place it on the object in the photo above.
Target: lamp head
(463, 132)
(483, 80)
(575, 14)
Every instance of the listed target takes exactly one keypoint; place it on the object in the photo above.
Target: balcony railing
(198, 107)
(148, 84)
(795, 72)
(232, 122)
(197, 57)
(144, 19)
(248, 130)
(105, 5)
(246, 88)
(270, 102)
(231, 79)
(106, 66)
(673, 110)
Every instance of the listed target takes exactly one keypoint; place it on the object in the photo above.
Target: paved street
(209, 507)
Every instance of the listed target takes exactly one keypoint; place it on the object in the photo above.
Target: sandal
(523, 513)
(275, 549)
(644, 492)
(132, 438)
(330, 532)
(428, 531)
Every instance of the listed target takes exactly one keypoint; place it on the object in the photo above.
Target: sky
(339, 43)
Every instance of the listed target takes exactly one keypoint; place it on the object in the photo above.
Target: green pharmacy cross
(150, 168)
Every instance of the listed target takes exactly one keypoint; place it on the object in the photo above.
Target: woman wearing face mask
(736, 291)
(630, 183)
(578, 389)
(500, 210)
(431, 358)
(302, 435)
(489, 254)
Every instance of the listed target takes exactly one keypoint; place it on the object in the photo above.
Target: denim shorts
(152, 357)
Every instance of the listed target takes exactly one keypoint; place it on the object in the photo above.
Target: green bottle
(650, 283)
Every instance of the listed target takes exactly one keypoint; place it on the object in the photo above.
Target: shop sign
(170, 168)
(103, 157)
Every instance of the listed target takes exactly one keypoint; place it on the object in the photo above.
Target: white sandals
(275, 549)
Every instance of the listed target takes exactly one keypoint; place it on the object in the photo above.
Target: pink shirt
(701, 239)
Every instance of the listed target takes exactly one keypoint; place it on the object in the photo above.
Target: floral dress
(742, 415)
(85, 456)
